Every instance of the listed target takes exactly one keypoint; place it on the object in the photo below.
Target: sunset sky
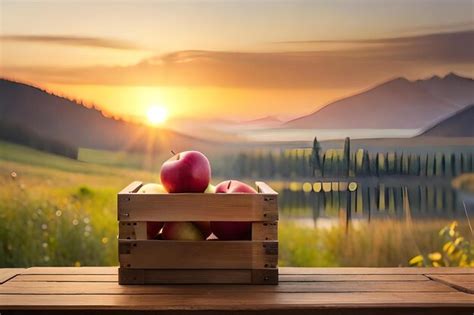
(229, 59)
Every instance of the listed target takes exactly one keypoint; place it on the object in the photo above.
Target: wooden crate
(144, 261)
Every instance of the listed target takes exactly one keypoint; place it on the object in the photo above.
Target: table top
(95, 290)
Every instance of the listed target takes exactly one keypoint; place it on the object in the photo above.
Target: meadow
(62, 212)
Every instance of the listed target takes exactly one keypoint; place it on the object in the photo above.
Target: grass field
(58, 211)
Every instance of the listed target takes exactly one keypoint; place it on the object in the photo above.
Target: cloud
(413, 41)
(359, 64)
(71, 41)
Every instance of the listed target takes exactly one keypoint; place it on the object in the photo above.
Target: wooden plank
(374, 270)
(350, 277)
(133, 230)
(282, 277)
(222, 300)
(106, 288)
(156, 254)
(282, 270)
(197, 207)
(198, 276)
(132, 188)
(265, 189)
(71, 271)
(464, 283)
(65, 278)
(265, 231)
(8, 273)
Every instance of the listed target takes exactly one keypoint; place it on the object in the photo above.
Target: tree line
(345, 162)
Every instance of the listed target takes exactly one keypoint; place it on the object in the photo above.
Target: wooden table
(94, 290)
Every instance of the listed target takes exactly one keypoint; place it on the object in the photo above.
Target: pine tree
(346, 158)
(316, 158)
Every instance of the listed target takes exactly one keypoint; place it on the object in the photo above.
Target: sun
(156, 115)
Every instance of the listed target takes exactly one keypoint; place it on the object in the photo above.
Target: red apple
(186, 172)
(204, 227)
(152, 229)
(233, 230)
(234, 186)
(182, 231)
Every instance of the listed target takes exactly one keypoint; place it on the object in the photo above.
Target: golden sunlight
(156, 115)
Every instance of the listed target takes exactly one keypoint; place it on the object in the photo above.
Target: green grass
(382, 243)
(58, 211)
(112, 158)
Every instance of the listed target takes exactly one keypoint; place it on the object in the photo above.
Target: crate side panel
(155, 254)
(265, 231)
(197, 207)
(133, 230)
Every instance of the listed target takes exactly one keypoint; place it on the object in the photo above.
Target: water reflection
(370, 199)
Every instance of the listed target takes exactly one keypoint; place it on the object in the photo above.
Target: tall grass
(380, 243)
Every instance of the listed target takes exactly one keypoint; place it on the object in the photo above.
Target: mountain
(59, 119)
(264, 122)
(396, 104)
(458, 125)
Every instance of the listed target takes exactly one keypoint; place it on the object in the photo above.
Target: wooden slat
(241, 300)
(71, 271)
(66, 278)
(197, 207)
(370, 291)
(198, 276)
(283, 278)
(350, 277)
(132, 188)
(265, 189)
(283, 271)
(463, 283)
(8, 273)
(265, 231)
(373, 270)
(285, 287)
(155, 254)
(133, 230)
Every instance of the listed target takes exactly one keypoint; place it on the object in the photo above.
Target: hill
(59, 119)
(458, 125)
(396, 104)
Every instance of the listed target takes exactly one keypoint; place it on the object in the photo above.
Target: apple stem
(230, 182)
(172, 152)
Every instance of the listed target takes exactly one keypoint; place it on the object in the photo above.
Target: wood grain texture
(130, 230)
(46, 287)
(240, 300)
(197, 207)
(350, 277)
(131, 188)
(283, 277)
(8, 273)
(198, 276)
(65, 278)
(265, 231)
(155, 254)
(376, 271)
(71, 271)
(265, 189)
(94, 290)
(464, 283)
